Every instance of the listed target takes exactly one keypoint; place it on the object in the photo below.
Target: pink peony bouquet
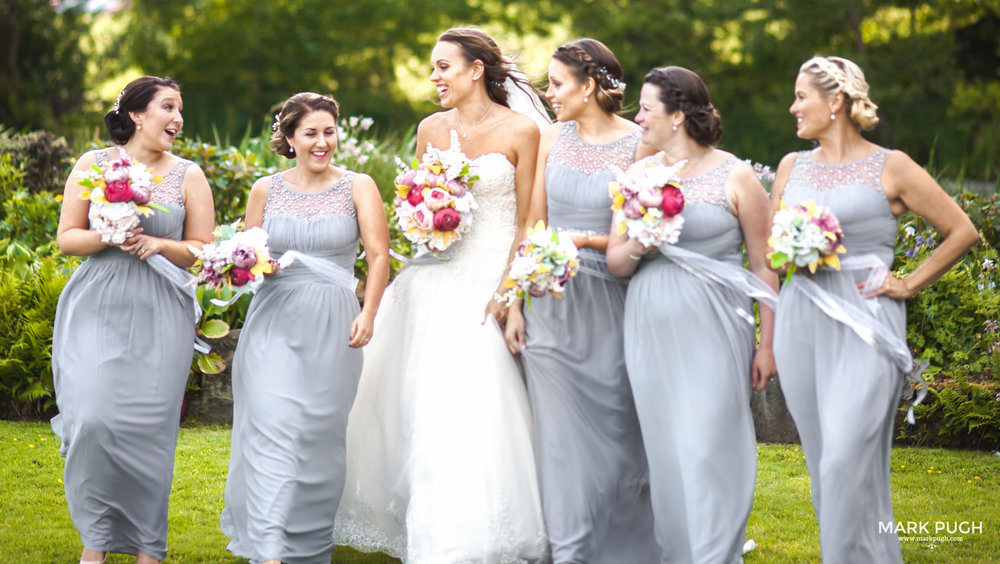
(434, 204)
(543, 264)
(236, 259)
(118, 193)
(806, 235)
(647, 206)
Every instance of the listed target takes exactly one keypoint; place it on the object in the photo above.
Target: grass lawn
(929, 485)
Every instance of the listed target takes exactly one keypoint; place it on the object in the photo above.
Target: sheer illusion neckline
(862, 160)
(575, 131)
(173, 167)
(288, 187)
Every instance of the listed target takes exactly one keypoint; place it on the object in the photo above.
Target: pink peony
(141, 195)
(633, 209)
(673, 200)
(118, 192)
(446, 219)
(244, 257)
(423, 218)
(437, 198)
(651, 197)
(406, 179)
(415, 196)
(239, 276)
(456, 187)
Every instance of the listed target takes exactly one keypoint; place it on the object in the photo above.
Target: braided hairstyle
(837, 74)
(682, 89)
(589, 58)
(135, 97)
(292, 112)
(477, 45)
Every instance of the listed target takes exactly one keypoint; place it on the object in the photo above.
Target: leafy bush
(230, 172)
(954, 325)
(29, 291)
(45, 159)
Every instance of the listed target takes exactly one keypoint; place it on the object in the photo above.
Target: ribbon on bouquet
(322, 268)
(730, 276)
(595, 256)
(864, 323)
(180, 279)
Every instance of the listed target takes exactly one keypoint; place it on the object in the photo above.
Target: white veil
(522, 98)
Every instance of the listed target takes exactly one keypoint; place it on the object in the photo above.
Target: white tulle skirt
(440, 461)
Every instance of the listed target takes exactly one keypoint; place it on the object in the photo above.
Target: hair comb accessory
(612, 82)
(277, 122)
(118, 101)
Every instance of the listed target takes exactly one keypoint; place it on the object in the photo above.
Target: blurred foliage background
(933, 65)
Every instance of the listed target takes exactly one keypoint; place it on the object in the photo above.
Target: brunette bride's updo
(837, 74)
(135, 97)
(682, 89)
(477, 45)
(292, 111)
(590, 58)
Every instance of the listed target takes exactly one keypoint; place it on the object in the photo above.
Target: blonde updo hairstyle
(292, 111)
(831, 75)
(588, 57)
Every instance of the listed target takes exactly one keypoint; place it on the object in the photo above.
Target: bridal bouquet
(235, 259)
(805, 235)
(648, 206)
(434, 203)
(118, 193)
(543, 263)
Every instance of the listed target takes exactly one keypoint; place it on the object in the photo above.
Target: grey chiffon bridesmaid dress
(294, 381)
(122, 343)
(841, 392)
(689, 355)
(591, 465)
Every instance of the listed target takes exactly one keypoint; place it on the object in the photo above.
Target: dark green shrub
(953, 324)
(29, 291)
(45, 159)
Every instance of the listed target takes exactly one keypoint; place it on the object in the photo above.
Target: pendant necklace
(466, 133)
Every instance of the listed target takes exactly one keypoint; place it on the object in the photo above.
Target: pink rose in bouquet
(244, 256)
(647, 203)
(446, 219)
(239, 276)
(673, 200)
(236, 259)
(118, 191)
(141, 195)
(434, 205)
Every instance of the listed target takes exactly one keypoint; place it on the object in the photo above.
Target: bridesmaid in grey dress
(689, 340)
(842, 392)
(591, 465)
(124, 335)
(297, 364)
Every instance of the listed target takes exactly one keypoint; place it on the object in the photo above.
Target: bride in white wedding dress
(440, 464)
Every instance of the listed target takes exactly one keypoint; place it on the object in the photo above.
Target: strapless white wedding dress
(440, 466)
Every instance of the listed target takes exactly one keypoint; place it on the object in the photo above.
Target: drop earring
(586, 99)
(833, 117)
(291, 150)
(674, 127)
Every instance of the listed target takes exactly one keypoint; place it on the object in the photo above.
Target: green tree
(42, 67)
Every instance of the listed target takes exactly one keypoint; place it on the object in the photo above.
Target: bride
(440, 464)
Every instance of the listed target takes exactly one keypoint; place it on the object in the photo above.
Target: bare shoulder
(899, 163)
(519, 124)
(787, 161)
(362, 181)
